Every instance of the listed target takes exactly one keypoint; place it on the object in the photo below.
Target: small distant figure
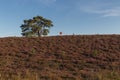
(60, 33)
(73, 34)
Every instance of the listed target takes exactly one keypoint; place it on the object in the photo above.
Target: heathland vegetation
(75, 57)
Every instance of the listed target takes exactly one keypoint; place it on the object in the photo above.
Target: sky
(68, 16)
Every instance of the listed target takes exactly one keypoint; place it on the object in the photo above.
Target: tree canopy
(36, 26)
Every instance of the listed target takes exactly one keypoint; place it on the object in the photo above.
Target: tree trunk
(39, 35)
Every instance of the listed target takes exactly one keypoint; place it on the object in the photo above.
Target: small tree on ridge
(36, 27)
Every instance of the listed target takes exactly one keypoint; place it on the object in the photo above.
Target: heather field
(73, 57)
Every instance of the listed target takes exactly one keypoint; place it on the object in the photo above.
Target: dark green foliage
(36, 27)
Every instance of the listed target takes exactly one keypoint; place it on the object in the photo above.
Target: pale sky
(68, 16)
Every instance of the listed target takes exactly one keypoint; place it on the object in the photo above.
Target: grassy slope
(69, 57)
